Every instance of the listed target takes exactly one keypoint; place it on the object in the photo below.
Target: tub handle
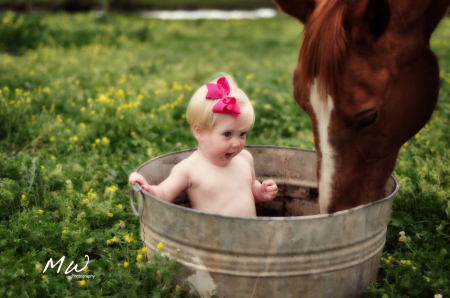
(136, 187)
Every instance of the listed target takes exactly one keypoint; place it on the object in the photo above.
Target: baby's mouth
(228, 155)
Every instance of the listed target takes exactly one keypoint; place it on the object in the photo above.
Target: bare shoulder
(245, 154)
(184, 166)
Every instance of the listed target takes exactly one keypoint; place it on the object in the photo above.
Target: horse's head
(368, 80)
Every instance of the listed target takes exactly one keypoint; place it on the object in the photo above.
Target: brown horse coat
(367, 78)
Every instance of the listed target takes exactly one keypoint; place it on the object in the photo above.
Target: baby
(218, 177)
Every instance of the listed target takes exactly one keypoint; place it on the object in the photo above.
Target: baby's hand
(269, 190)
(136, 177)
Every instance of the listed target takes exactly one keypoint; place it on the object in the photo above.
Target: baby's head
(200, 109)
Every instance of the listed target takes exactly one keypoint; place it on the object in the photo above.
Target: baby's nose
(235, 144)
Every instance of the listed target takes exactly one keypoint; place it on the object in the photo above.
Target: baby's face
(226, 140)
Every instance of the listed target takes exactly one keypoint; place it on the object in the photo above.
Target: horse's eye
(366, 121)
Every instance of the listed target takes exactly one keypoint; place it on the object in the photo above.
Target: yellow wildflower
(128, 238)
(132, 133)
(139, 257)
(160, 245)
(110, 214)
(108, 242)
(63, 231)
(44, 276)
(41, 211)
(119, 206)
(82, 283)
(144, 249)
(24, 196)
(177, 288)
(114, 239)
(126, 264)
(47, 90)
(92, 193)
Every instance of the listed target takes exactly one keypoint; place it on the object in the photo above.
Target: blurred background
(129, 5)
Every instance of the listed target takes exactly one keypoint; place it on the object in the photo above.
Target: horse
(368, 80)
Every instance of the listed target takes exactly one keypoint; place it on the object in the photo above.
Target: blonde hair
(199, 110)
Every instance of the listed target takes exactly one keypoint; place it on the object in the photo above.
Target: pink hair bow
(226, 104)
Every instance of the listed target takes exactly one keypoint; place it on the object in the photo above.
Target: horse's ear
(367, 19)
(299, 9)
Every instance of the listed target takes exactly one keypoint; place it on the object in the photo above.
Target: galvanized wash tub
(287, 251)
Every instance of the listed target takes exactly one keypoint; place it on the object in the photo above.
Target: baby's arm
(153, 189)
(262, 192)
(136, 177)
(167, 190)
(265, 191)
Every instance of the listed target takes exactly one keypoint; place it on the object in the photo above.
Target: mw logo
(69, 268)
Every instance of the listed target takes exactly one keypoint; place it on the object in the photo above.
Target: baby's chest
(217, 178)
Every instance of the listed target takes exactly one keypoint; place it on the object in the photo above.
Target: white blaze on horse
(367, 78)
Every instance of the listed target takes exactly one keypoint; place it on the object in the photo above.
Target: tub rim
(136, 188)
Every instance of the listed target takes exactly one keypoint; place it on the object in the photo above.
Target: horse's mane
(323, 48)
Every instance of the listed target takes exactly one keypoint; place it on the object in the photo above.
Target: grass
(85, 100)
(142, 4)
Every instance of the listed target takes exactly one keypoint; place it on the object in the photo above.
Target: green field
(133, 5)
(84, 100)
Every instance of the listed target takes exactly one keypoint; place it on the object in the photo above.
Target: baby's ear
(197, 132)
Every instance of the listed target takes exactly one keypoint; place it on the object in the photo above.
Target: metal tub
(287, 251)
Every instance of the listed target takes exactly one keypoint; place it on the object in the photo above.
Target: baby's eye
(227, 134)
(243, 134)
